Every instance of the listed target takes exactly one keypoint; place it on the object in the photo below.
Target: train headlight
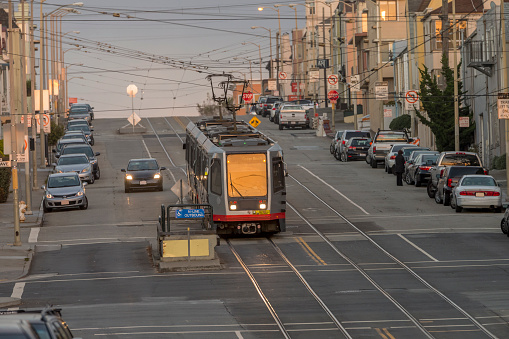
(157, 176)
(233, 207)
(129, 177)
(263, 206)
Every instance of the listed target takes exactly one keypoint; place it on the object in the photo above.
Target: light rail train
(240, 172)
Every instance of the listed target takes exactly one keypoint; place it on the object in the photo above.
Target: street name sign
(5, 163)
(503, 105)
(190, 213)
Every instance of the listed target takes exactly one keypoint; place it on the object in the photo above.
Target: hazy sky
(166, 48)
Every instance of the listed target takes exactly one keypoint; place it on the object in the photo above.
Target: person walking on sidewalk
(399, 168)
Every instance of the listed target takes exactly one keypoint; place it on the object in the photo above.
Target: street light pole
(42, 70)
(270, 41)
(260, 56)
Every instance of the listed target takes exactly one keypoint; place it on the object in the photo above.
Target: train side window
(278, 174)
(216, 186)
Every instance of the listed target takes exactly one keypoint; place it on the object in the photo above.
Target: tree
(439, 106)
(211, 108)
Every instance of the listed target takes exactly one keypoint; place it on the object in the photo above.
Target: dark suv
(46, 323)
(267, 105)
(449, 178)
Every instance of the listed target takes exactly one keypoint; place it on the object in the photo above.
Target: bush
(499, 162)
(57, 131)
(5, 182)
(400, 123)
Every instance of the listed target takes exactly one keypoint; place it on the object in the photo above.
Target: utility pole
(32, 92)
(42, 69)
(324, 58)
(356, 71)
(505, 84)
(410, 66)
(445, 34)
(23, 73)
(14, 143)
(455, 64)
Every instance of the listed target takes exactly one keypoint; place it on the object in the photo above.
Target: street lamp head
(78, 4)
(254, 27)
(76, 32)
(260, 9)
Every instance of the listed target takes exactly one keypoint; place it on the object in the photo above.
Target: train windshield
(247, 175)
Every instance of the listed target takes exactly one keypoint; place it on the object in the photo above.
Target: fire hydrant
(22, 210)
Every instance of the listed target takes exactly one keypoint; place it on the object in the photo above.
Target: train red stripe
(249, 217)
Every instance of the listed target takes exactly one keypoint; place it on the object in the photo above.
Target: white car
(477, 191)
(390, 158)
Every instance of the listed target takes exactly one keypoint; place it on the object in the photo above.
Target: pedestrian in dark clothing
(399, 168)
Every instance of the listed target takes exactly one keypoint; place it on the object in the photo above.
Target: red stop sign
(247, 97)
(333, 95)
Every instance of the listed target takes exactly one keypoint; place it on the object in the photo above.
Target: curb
(9, 302)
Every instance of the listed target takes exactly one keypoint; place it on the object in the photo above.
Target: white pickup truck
(291, 115)
(382, 143)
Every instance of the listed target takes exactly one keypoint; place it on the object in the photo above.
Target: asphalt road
(380, 261)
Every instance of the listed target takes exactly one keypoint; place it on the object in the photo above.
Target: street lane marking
(34, 234)
(335, 190)
(239, 335)
(146, 148)
(384, 333)
(417, 247)
(17, 291)
(310, 251)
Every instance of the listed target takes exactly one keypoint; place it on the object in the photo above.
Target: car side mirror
(54, 164)
(43, 187)
(97, 153)
(85, 183)
(122, 170)
(163, 168)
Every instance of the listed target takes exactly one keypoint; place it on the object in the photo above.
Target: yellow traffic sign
(254, 122)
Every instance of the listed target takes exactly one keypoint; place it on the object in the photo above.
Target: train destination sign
(190, 213)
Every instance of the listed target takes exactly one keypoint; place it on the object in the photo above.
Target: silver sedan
(477, 191)
(78, 163)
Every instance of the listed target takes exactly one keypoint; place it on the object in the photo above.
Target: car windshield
(478, 181)
(408, 150)
(292, 108)
(271, 100)
(425, 158)
(247, 175)
(73, 136)
(63, 181)
(415, 154)
(396, 148)
(354, 134)
(461, 171)
(394, 137)
(72, 160)
(142, 165)
(360, 142)
(79, 128)
(460, 159)
(73, 150)
(60, 145)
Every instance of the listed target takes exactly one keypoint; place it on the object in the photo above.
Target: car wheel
(92, 180)
(280, 127)
(331, 148)
(98, 173)
(447, 199)
(438, 199)
(46, 209)
(85, 205)
(503, 226)
(337, 155)
(417, 180)
(160, 187)
(430, 190)
(271, 119)
(92, 142)
(345, 158)
(374, 163)
(458, 209)
(389, 170)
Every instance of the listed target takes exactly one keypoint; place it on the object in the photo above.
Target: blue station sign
(190, 213)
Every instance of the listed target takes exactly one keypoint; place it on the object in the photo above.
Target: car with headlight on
(477, 191)
(64, 190)
(142, 174)
(76, 163)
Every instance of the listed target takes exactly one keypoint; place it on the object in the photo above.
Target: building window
(311, 6)
(364, 22)
(388, 10)
(461, 28)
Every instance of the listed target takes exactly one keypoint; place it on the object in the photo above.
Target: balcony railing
(480, 55)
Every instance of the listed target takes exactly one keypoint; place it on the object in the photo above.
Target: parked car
(345, 136)
(259, 104)
(143, 173)
(86, 130)
(46, 324)
(305, 103)
(68, 141)
(292, 116)
(390, 158)
(77, 122)
(86, 149)
(477, 191)
(412, 157)
(274, 109)
(87, 106)
(382, 143)
(504, 223)
(335, 139)
(355, 149)
(448, 180)
(64, 190)
(75, 136)
(417, 170)
(79, 113)
(450, 158)
(407, 151)
(267, 105)
(78, 163)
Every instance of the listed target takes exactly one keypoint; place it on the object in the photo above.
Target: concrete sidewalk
(15, 260)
